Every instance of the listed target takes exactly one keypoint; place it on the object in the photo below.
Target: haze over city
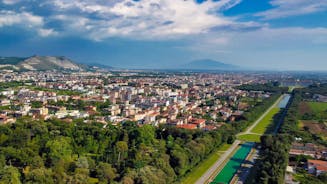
(252, 34)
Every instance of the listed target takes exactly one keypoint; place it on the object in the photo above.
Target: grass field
(249, 137)
(318, 107)
(199, 170)
(265, 122)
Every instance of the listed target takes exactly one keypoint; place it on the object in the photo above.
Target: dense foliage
(273, 158)
(254, 113)
(316, 89)
(58, 152)
(267, 87)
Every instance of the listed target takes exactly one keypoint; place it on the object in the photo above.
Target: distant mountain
(98, 66)
(208, 64)
(11, 60)
(41, 63)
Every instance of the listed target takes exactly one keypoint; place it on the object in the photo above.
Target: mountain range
(208, 64)
(40, 63)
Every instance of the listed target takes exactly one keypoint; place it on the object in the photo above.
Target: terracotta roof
(198, 121)
(319, 164)
(187, 126)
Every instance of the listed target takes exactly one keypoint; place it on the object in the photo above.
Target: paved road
(211, 171)
(249, 130)
(204, 178)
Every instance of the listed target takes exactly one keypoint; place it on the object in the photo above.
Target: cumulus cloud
(146, 18)
(26, 20)
(8, 18)
(283, 8)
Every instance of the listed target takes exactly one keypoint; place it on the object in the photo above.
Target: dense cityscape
(117, 126)
(163, 92)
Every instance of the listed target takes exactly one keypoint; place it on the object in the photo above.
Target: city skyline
(269, 34)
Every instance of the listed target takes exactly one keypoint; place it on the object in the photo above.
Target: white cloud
(25, 20)
(46, 32)
(286, 8)
(144, 19)
(8, 18)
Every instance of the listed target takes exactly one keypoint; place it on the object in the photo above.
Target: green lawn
(199, 170)
(224, 147)
(249, 137)
(265, 122)
(318, 107)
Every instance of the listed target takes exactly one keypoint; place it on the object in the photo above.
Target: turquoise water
(284, 101)
(226, 175)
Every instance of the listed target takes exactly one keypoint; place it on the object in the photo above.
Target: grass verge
(265, 122)
(249, 137)
(200, 169)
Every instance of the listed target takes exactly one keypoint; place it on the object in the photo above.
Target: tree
(146, 134)
(39, 176)
(81, 176)
(122, 148)
(9, 175)
(59, 148)
(105, 172)
(323, 177)
(82, 162)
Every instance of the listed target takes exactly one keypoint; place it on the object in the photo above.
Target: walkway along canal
(235, 162)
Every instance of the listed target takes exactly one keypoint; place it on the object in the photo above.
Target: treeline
(274, 153)
(59, 152)
(255, 112)
(272, 87)
(316, 89)
(273, 158)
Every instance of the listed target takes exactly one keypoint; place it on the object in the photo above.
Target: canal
(227, 173)
(283, 103)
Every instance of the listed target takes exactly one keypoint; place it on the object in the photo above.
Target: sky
(254, 34)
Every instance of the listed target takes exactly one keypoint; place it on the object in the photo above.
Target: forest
(267, 87)
(60, 152)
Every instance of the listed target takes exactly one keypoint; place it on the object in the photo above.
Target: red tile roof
(187, 126)
(319, 164)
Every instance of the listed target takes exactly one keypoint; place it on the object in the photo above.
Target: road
(249, 130)
(211, 171)
(204, 178)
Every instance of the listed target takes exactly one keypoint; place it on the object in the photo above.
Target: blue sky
(259, 34)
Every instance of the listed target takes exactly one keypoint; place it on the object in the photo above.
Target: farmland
(313, 111)
(314, 127)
